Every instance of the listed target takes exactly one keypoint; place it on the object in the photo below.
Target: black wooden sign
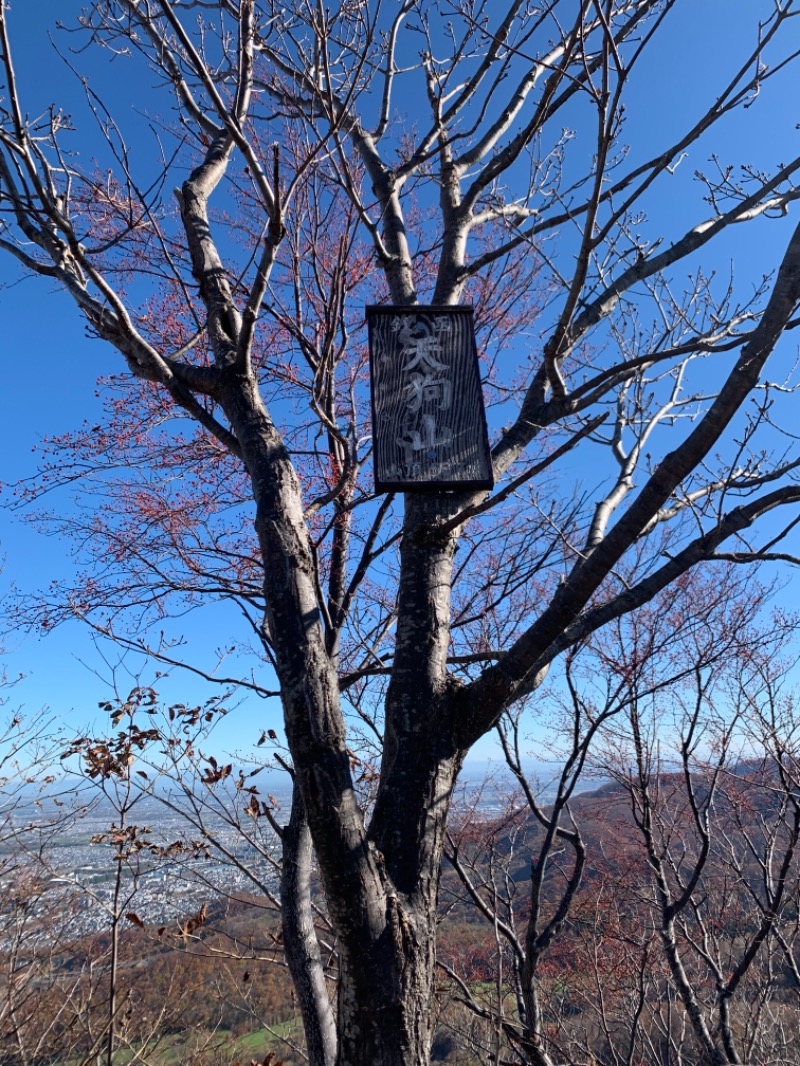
(428, 420)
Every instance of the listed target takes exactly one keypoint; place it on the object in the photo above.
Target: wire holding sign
(429, 424)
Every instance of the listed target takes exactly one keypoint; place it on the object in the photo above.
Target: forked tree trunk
(381, 884)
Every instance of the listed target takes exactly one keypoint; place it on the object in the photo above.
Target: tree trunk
(300, 938)
(384, 997)
(385, 994)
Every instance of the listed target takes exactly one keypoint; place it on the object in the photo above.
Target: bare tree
(95, 962)
(720, 833)
(54, 1002)
(636, 357)
(651, 920)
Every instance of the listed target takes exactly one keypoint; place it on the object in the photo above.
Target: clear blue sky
(50, 368)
